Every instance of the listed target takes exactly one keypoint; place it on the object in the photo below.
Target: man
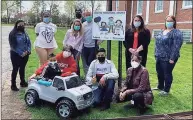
(79, 15)
(90, 45)
(102, 75)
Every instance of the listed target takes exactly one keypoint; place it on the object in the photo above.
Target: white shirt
(45, 39)
(88, 41)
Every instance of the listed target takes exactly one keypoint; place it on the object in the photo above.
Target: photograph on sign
(109, 25)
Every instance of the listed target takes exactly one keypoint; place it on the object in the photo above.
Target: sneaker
(14, 88)
(156, 89)
(163, 93)
(24, 84)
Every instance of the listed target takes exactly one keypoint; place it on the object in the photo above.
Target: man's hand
(122, 96)
(102, 81)
(94, 80)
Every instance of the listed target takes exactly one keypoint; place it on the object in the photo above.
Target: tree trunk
(7, 16)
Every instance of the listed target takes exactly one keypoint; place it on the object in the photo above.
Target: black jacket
(143, 39)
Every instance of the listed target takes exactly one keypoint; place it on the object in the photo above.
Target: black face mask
(78, 15)
(20, 28)
(101, 59)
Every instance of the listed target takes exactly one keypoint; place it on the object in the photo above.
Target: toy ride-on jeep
(68, 93)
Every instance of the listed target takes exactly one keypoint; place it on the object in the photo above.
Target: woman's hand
(131, 50)
(171, 62)
(24, 53)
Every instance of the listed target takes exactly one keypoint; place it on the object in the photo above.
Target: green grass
(179, 100)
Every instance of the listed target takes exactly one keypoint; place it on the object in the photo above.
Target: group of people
(101, 73)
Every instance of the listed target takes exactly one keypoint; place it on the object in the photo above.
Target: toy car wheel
(65, 109)
(31, 98)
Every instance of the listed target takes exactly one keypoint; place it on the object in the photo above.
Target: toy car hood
(83, 89)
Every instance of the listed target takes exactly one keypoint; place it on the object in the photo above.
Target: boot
(24, 84)
(14, 88)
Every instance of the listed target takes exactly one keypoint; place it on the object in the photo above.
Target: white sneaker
(163, 93)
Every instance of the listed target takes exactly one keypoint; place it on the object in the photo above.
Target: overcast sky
(28, 4)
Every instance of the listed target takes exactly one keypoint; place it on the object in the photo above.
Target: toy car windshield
(73, 82)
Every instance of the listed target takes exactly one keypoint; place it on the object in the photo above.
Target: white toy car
(68, 93)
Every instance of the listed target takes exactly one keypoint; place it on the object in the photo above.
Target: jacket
(92, 71)
(138, 81)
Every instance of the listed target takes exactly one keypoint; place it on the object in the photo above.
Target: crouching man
(102, 75)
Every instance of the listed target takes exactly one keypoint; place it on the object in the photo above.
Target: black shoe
(23, 84)
(14, 88)
(142, 110)
(105, 107)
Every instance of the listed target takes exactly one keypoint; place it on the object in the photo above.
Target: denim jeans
(104, 94)
(164, 73)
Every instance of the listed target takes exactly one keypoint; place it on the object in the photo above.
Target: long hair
(141, 27)
(81, 27)
(173, 18)
(14, 31)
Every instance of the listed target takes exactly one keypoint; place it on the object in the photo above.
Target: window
(73, 82)
(139, 7)
(58, 83)
(158, 6)
(156, 32)
(187, 35)
(187, 4)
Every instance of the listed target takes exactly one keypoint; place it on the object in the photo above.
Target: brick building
(155, 12)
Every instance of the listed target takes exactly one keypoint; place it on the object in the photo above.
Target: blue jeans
(164, 73)
(104, 94)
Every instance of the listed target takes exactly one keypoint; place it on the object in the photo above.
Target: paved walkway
(11, 106)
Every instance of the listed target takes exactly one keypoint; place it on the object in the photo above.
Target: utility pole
(109, 41)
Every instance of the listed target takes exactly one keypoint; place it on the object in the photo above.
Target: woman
(45, 42)
(137, 86)
(167, 51)
(74, 39)
(20, 50)
(137, 39)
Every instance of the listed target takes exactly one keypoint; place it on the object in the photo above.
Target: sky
(28, 4)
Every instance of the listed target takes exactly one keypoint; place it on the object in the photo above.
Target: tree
(36, 9)
(9, 7)
(70, 8)
(55, 14)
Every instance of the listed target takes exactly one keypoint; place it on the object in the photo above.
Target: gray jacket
(92, 72)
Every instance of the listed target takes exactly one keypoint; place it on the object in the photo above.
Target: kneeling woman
(137, 86)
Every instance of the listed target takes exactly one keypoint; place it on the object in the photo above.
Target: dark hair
(118, 20)
(136, 55)
(141, 27)
(43, 12)
(110, 17)
(103, 22)
(13, 32)
(67, 48)
(173, 18)
(51, 55)
(101, 50)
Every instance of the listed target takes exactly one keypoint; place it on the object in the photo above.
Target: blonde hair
(81, 27)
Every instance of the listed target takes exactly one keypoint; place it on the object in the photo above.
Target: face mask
(89, 19)
(137, 24)
(134, 64)
(66, 54)
(52, 63)
(76, 28)
(169, 24)
(46, 19)
(20, 28)
(101, 59)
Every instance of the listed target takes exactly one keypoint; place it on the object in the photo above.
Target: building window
(158, 6)
(187, 4)
(187, 35)
(117, 5)
(155, 32)
(139, 7)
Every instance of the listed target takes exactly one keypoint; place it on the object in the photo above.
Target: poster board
(109, 25)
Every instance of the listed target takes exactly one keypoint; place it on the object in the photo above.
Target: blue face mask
(89, 19)
(76, 28)
(169, 25)
(46, 19)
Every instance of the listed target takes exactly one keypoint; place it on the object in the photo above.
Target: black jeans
(138, 99)
(75, 52)
(18, 63)
(164, 73)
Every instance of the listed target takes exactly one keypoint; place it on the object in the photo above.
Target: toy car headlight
(79, 98)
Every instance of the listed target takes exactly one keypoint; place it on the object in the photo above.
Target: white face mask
(66, 54)
(134, 64)
(137, 24)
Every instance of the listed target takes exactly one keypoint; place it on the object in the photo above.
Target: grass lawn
(180, 98)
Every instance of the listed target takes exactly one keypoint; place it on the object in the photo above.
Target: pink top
(75, 42)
